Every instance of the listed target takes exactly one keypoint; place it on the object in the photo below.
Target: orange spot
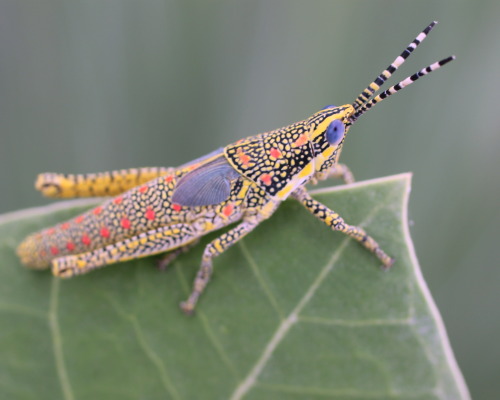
(117, 200)
(275, 153)
(86, 240)
(302, 140)
(54, 250)
(194, 166)
(228, 210)
(43, 253)
(65, 226)
(150, 214)
(244, 158)
(125, 223)
(97, 210)
(177, 207)
(143, 189)
(50, 231)
(70, 246)
(79, 219)
(266, 179)
(104, 232)
(169, 178)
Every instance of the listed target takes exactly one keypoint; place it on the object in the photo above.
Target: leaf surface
(294, 311)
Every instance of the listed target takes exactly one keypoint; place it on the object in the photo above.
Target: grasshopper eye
(335, 132)
(329, 106)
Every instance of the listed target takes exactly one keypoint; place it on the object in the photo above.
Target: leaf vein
(148, 351)
(292, 318)
(260, 279)
(154, 358)
(57, 347)
(285, 326)
(205, 324)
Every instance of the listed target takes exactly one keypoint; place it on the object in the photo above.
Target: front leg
(337, 223)
(341, 171)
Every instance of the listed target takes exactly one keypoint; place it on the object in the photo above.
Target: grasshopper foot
(388, 264)
(163, 263)
(166, 260)
(187, 307)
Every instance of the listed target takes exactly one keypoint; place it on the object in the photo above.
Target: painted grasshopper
(168, 209)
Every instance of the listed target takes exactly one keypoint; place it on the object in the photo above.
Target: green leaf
(295, 311)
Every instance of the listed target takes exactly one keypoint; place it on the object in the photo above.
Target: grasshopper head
(327, 130)
(328, 127)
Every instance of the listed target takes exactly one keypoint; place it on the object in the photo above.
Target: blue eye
(330, 106)
(335, 132)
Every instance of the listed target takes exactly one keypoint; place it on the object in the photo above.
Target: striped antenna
(387, 73)
(398, 87)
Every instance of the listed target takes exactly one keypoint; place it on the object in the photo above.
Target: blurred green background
(97, 85)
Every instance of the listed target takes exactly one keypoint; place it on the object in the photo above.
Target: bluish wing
(206, 185)
(220, 150)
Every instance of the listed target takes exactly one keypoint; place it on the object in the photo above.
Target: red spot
(266, 179)
(65, 226)
(54, 250)
(50, 231)
(70, 246)
(79, 219)
(177, 207)
(275, 153)
(143, 189)
(117, 200)
(150, 214)
(244, 158)
(125, 223)
(228, 210)
(86, 240)
(104, 232)
(97, 210)
(169, 178)
(302, 140)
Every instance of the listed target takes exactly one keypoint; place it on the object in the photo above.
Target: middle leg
(213, 249)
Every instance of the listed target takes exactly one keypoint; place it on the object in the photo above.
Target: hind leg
(109, 183)
(146, 244)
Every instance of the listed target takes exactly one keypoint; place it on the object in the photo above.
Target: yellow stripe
(328, 152)
(218, 247)
(320, 128)
(297, 180)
